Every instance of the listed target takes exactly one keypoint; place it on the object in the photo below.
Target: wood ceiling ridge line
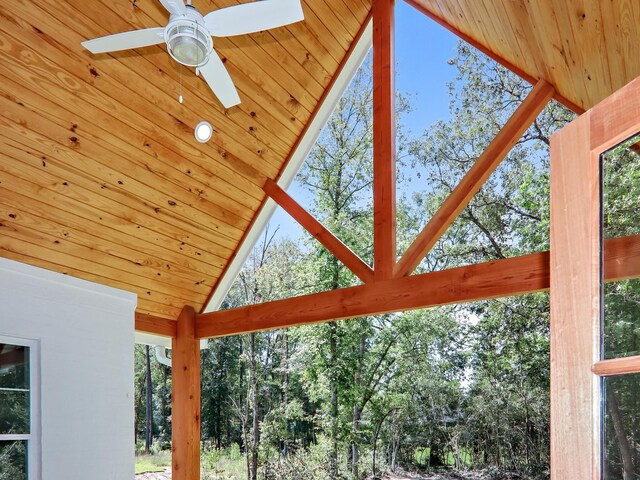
(163, 259)
(494, 56)
(195, 154)
(297, 144)
(133, 217)
(19, 89)
(59, 235)
(62, 263)
(167, 64)
(83, 255)
(176, 217)
(498, 278)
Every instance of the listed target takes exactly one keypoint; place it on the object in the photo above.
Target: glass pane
(621, 427)
(620, 218)
(13, 460)
(14, 389)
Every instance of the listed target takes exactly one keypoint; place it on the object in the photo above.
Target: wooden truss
(389, 286)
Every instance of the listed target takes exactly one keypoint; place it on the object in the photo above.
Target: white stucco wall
(86, 336)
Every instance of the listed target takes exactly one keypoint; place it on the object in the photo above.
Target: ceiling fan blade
(216, 75)
(174, 7)
(125, 40)
(253, 17)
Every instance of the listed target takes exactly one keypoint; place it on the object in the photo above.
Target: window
(19, 439)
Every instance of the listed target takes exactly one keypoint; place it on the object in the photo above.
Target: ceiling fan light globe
(188, 42)
(187, 51)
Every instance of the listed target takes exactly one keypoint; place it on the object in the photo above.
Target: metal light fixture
(203, 131)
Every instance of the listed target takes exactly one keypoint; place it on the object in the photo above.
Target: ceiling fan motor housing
(188, 39)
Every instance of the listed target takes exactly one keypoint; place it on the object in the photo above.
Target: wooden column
(575, 304)
(384, 139)
(185, 399)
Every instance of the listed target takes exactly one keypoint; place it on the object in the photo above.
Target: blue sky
(423, 49)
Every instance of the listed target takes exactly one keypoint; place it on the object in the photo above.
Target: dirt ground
(166, 475)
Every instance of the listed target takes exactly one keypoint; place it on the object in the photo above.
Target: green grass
(153, 463)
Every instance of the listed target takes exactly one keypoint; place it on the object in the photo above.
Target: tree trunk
(621, 436)
(285, 388)
(149, 410)
(333, 366)
(255, 432)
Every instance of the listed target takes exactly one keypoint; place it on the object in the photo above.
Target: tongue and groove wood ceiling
(101, 177)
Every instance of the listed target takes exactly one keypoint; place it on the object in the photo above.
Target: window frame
(33, 438)
(576, 272)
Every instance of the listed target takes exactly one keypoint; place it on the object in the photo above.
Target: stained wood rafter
(471, 183)
(343, 253)
(384, 135)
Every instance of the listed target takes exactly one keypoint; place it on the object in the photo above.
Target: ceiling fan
(188, 36)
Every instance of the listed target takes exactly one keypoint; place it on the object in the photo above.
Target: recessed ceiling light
(203, 131)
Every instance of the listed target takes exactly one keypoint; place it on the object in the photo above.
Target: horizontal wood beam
(500, 278)
(155, 325)
(343, 253)
(617, 366)
(477, 175)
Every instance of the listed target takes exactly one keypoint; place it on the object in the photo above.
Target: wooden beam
(155, 325)
(501, 278)
(494, 56)
(343, 253)
(471, 183)
(617, 366)
(384, 140)
(185, 399)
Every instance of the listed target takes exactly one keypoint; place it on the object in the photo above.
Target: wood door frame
(576, 278)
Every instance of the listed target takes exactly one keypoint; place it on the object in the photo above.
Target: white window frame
(33, 438)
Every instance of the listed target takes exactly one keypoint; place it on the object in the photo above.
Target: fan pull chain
(180, 97)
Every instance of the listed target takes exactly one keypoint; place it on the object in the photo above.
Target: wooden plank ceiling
(100, 175)
(587, 49)
(101, 178)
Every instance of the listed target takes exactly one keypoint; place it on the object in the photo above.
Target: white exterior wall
(86, 337)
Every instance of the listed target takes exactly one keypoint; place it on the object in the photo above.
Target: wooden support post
(384, 140)
(185, 399)
(319, 231)
(471, 183)
(575, 303)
